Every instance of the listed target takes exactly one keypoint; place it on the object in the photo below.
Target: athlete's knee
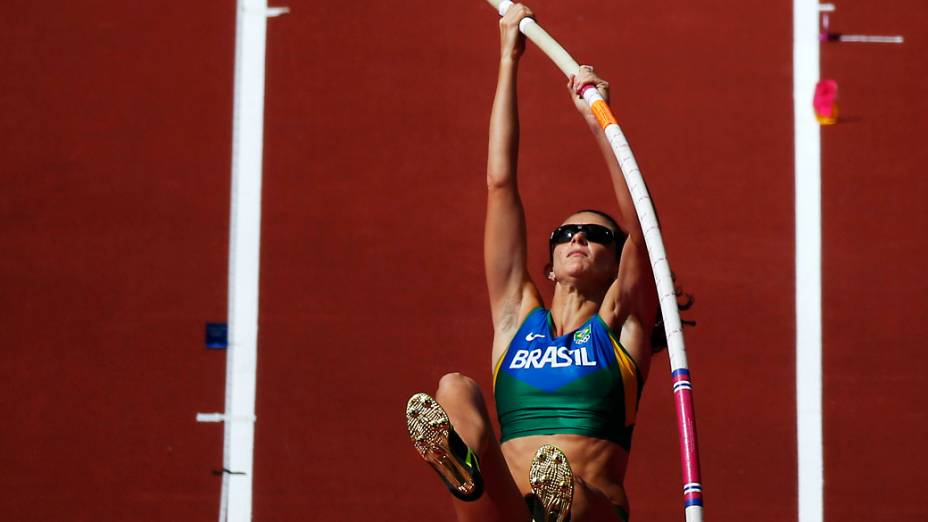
(456, 385)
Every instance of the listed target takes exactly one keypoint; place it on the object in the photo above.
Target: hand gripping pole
(682, 387)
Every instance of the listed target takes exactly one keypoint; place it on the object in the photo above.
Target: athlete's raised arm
(508, 283)
(630, 306)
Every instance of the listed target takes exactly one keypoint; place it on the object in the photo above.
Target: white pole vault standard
(689, 456)
(861, 38)
(808, 260)
(244, 248)
(828, 36)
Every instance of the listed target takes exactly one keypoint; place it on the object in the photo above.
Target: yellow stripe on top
(603, 114)
(628, 369)
(497, 366)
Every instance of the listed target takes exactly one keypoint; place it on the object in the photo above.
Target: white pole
(808, 260)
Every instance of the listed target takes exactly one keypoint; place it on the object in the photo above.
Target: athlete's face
(579, 257)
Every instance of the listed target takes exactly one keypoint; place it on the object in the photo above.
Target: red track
(113, 223)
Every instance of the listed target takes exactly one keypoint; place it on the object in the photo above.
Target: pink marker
(825, 102)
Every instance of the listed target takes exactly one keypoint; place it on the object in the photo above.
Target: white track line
(808, 262)
(244, 246)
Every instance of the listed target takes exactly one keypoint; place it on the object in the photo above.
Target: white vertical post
(808, 262)
(244, 250)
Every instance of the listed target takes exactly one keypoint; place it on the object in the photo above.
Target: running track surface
(116, 128)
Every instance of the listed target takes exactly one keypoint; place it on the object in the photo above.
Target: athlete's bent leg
(501, 501)
(591, 504)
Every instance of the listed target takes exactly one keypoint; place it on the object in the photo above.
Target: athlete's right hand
(575, 84)
(512, 42)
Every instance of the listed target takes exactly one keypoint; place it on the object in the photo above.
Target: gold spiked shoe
(435, 440)
(552, 484)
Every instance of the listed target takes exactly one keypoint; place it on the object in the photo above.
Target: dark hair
(658, 335)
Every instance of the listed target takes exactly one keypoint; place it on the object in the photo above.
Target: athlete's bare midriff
(598, 463)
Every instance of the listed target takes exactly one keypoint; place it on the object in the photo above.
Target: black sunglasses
(595, 233)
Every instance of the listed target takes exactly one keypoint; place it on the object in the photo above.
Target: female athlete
(567, 379)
